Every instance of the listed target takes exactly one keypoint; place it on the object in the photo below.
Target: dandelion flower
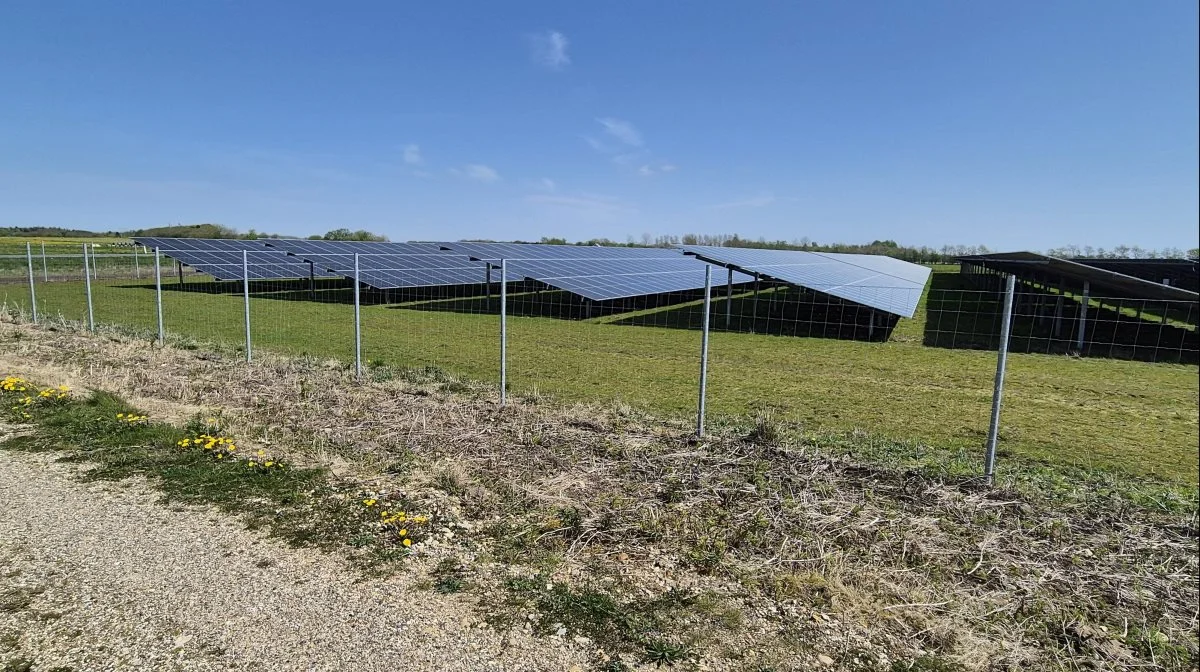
(408, 542)
(269, 463)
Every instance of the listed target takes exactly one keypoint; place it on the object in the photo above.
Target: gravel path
(100, 577)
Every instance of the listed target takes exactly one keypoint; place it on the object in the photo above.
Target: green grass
(1130, 416)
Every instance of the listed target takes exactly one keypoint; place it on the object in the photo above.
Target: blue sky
(1022, 125)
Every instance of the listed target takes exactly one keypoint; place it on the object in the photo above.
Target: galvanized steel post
(357, 324)
(137, 266)
(45, 269)
(1083, 310)
(158, 298)
(503, 330)
(32, 292)
(989, 467)
(246, 297)
(729, 298)
(87, 284)
(704, 349)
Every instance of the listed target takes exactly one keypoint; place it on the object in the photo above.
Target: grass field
(1131, 416)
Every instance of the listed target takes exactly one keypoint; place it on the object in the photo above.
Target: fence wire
(775, 350)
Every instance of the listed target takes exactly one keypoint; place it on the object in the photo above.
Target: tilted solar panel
(389, 265)
(876, 281)
(618, 278)
(222, 259)
(494, 252)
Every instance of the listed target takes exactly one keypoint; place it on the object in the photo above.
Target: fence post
(1083, 310)
(158, 298)
(32, 292)
(704, 349)
(246, 297)
(989, 467)
(95, 264)
(87, 284)
(729, 299)
(137, 267)
(45, 269)
(503, 330)
(357, 324)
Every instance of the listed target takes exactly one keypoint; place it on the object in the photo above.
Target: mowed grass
(1135, 417)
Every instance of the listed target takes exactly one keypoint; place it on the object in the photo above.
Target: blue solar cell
(880, 282)
(494, 252)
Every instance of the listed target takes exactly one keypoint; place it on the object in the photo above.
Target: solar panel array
(880, 282)
(389, 265)
(598, 273)
(222, 259)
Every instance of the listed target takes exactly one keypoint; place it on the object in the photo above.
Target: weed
(19, 664)
(662, 653)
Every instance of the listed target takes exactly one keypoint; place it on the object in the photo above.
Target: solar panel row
(597, 273)
(222, 259)
(884, 283)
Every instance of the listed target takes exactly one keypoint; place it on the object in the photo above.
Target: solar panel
(389, 265)
(494, 252)
(222, 259)
(876, 281)
(610, 278)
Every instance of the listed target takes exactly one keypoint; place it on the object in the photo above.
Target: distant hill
(180, 231)
(47, 232)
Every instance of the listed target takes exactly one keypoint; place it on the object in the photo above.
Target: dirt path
(100, 577)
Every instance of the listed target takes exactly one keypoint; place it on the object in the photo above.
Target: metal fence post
(95, 264)
(246, 297)
(158, 298)
(45, 269)
(87, 284)
(704, 349)
(357, 324)
(503, 330)
(729, 299)
(1083, 310)
(989, 467)
(32, 292)
(137, 267)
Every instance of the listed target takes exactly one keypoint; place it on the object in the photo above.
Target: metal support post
(729, 298)
(488, 285)
(756, 301)
(87, 284)
(312, 281)
(246, 297)
(179, 270)
(704, 349)
(162, 336)
(503, 330)
(357, 323)
(1083, 311)
(95, 263)
(989, 466)
(32, 291)
(137, 267)
(45, 269)
(871, 327)
(1058, 310)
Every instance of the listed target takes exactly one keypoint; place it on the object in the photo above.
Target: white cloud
(648, 170)
(412, 155)
(761, 200)
(547, 184)
(477, 171)
(623, 131)
(549, 50)
(596, 144)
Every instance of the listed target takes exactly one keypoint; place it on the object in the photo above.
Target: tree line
(920, 255)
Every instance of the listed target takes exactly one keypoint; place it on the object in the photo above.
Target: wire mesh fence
(773, 349)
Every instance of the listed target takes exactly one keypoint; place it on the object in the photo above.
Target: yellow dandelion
(408, 542)
(268, 463)
(120, 415)
(404, 532)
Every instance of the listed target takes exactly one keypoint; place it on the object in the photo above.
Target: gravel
(118, 582)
